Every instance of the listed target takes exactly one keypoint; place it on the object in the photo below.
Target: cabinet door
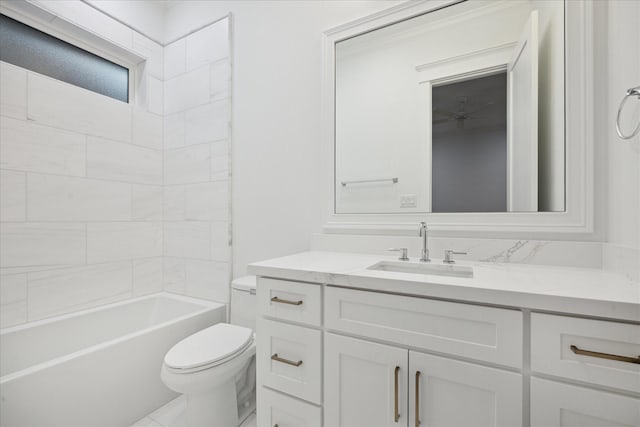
(445, 392)
(555, 404)
(365, 383)
(275, 409)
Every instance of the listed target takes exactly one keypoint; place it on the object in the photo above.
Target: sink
(430, 269)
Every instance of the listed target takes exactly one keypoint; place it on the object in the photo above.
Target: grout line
(163, 179)
(86, 177)
(195, 30)
(53, 267)
(66, 130)
(97, 221)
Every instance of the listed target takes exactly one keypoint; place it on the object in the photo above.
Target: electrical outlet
(408, 201)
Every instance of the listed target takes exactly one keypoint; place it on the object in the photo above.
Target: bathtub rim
(206, 306)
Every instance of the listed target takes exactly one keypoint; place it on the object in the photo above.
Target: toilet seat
(207, 348)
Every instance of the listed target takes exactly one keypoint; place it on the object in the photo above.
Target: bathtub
(96, 367)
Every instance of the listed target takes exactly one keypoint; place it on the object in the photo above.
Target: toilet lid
(215, 343)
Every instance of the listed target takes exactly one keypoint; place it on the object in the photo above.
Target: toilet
(215, 367)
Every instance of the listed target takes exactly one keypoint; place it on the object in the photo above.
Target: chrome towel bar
(634, 91)
(366, 181)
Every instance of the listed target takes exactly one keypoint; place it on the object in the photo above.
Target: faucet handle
(403, 253)
(448, 256)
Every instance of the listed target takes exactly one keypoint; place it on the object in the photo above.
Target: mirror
(461, 109)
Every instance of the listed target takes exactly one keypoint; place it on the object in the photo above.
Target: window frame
(64, 30)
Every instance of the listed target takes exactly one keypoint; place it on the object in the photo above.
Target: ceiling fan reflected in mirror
(461, 115)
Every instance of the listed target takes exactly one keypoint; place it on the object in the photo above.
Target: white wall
(622, 253)
(551, 161)
(81, 189)
(276, 115)
(144, 16)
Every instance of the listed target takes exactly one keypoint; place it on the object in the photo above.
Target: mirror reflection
(457, 110)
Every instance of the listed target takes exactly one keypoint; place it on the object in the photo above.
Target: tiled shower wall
(83, 178)
(197, 75)
(81, 198)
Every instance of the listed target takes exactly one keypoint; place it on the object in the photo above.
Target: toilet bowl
(215, 369)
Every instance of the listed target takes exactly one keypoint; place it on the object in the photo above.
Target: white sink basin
(424, 268)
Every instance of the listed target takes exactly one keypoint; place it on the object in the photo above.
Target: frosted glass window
(34, 50)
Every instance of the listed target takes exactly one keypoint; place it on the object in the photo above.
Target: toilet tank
(243, 302)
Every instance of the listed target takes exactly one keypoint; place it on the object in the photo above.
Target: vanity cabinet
(288, 353)
(283, 411)
(366, 383)
(555, 404)
(593, 352)
(369, 384)
(336, 355)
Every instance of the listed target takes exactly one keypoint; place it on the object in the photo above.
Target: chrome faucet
(424, 256)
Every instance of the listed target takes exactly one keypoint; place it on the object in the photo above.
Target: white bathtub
(97, 367)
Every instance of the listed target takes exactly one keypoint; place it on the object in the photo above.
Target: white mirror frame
(578, 217)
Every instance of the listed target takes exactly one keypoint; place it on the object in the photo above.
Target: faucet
(424, 257)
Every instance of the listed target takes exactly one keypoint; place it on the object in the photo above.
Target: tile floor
(172, 415)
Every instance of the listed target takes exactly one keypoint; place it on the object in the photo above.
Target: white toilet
(215, 367)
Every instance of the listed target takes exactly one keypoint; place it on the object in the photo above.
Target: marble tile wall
(196, 208)
(81, 179)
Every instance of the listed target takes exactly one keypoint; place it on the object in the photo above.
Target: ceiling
(481, 103)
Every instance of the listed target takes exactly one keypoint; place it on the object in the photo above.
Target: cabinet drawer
(552, 338)
(482, 333)
(563, 405)
(284, 411)
(294, 301)
(288, 359)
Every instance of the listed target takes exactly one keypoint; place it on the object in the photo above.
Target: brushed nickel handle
(417, 424)
(287, 361)
(286, 301)
(608, 356)
(396, 412)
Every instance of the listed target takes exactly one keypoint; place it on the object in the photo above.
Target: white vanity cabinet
(369, 384)
(373, 384)
(593, 352)
(366, 383)
(377, 354)
(555, 404)
(289, 353)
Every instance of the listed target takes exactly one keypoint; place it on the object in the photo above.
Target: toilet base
(215, 408)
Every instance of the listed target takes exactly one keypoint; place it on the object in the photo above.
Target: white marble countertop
(580, 291)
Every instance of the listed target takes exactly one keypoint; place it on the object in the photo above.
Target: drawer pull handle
(627, 359)
(417, 399)
(396, 412)
(287, 361)
(286, 301)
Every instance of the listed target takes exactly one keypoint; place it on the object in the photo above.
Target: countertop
(578, 291)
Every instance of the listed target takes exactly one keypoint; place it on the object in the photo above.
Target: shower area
(107, 198)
